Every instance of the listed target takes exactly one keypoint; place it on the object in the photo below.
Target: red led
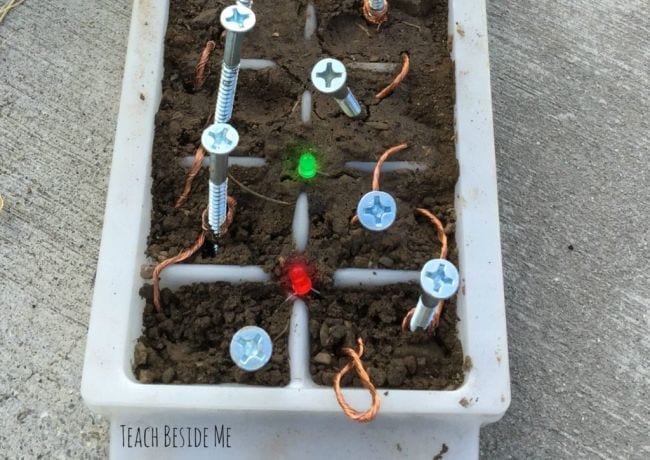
(300, 281)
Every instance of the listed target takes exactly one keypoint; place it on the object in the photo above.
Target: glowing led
(300, 281)
(307, 165)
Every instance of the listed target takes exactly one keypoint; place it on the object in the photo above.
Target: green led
(307, 165)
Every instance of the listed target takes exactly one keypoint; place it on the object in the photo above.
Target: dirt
(189, 341)
(393, 359)
(267, 116)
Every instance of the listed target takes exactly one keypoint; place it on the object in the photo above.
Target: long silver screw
(218, 140)
(330, 77)
(439, 280)
(237, 20)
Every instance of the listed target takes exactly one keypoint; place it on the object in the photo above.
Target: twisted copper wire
(230, 215)
(180, 257)
(406, 66)
(189, 252)
(376, 18)
(187, 187)
(200, 76)
(356, 364)
(196, 167)
(442, 236)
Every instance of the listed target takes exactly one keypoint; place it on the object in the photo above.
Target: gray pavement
(571, 99)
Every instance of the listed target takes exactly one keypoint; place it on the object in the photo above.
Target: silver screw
(329, 76)
(246, 3)
(237, 20)
(377, 210)
(439, 280)
(218, 140)
(377, 5)
(251, 348)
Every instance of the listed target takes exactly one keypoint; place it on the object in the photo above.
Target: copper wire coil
(356, 364)
(375, 17)
(230, 215)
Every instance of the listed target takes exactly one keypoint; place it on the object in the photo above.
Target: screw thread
(376, 5)
(226, 95)
(349, 105)
(217, 205)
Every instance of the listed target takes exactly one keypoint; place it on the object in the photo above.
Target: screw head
(219, 138)
(439, 279)
(251, 348)
(329, 75)
(377, 210)
(237, 18)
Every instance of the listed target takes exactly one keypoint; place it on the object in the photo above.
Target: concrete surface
(571, 101)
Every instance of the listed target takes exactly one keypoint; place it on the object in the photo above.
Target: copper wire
(434, 321)
(406, 66)
(201, 75)
(230, 215)
(259, 195)
(196, 167)
(384, 156)
(440, 229)
(187, 187)
(442, 236)
(407, 318)
(375, 17)
(189, 252)
(436, 317)
(356, 364)
(180, 257)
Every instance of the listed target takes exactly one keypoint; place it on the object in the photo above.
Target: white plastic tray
(302, 420)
